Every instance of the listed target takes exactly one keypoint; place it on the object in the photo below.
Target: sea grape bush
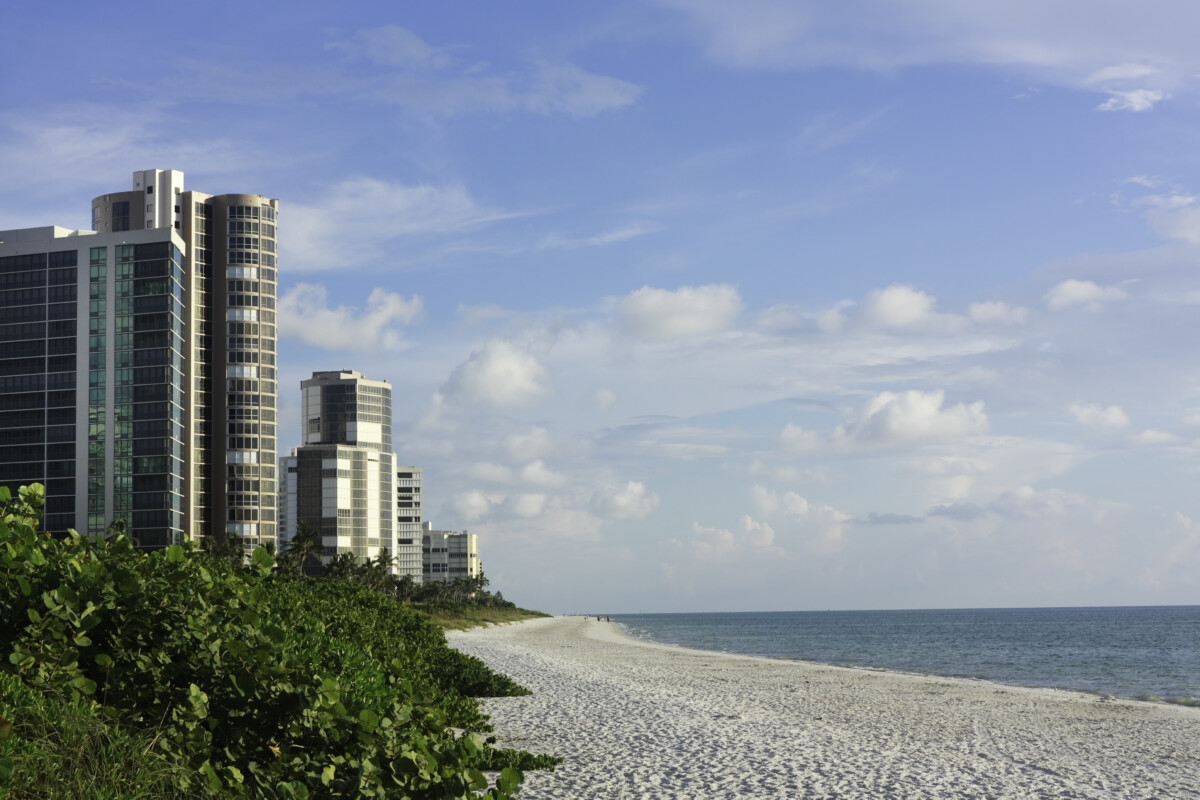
(256, 685)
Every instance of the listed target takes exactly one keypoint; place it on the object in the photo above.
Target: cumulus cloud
(890, 417)
(528, 444)
(831, 320)
(1180, 222)
(795, 439)
(1133, 100)
(1152, 437)
(474, 505)
(769, 503)
(997, 311)
(498, 375)
(898, 306)
(1093, 415)
(720, 545)
(1083, 294)
(631, 500)
(660, 314)
(490, 473)
(1025, 502)
(304, 314)
(527, 506)
(538, 474)
(604, 399)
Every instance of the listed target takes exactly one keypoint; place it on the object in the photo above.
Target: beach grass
(461, 617)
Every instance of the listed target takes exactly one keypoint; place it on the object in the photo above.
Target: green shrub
(248, 685)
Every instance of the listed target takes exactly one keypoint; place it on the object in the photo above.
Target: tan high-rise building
(343, 479)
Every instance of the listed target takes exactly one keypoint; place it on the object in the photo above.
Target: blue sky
(706, 305)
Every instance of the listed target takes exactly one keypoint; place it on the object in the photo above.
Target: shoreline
(634, 718)
(1180, 702)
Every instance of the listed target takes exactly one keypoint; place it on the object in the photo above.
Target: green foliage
(247, 684)
(89, 757)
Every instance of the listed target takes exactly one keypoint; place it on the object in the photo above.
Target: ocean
(1146, 653)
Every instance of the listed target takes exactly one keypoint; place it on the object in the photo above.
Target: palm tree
(342, 566)
(376, 571)
(302, 550)
(227, 547)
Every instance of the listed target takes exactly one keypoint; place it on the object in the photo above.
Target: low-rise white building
(448, 555)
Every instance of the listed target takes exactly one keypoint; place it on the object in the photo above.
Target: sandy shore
(637, 720)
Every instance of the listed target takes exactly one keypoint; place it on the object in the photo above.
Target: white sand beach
(638, 720)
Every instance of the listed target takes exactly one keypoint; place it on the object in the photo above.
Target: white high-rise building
(408, 522)
(139, 361)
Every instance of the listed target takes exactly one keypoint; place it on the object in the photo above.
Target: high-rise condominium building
(137, 364)
(342, 479)
(408, 522)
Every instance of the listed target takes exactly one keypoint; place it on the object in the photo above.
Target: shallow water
(1137, 652)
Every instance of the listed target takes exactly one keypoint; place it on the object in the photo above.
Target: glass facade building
(149, 347)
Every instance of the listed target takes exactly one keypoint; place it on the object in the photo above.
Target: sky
(705, 306)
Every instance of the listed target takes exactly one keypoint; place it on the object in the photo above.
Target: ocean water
(1139, 652)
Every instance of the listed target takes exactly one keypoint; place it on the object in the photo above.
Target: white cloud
(1133, 100)
(997, 311)
(538, 474)
(426, 79)
(1144, 180)
(604, 399)
(1120, 42)
(304, 314)
(631, 500)
(498, 375)
(720, 545)
(911, 415)
(528, 444)
(1093, 415)
(1026, 502)
(831, 320)
(474, 505)
(768, 502)
(898, 307)
(689, 451)
(795, 439)
(615, 236)
(689, 311)
(393, 46)
(354, 223)
(527, 506)
(567, 88)
(1152, 437)
(486, 472)
(1121, 72)
(901, 307)
(1175, 221)
(1084, 294)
